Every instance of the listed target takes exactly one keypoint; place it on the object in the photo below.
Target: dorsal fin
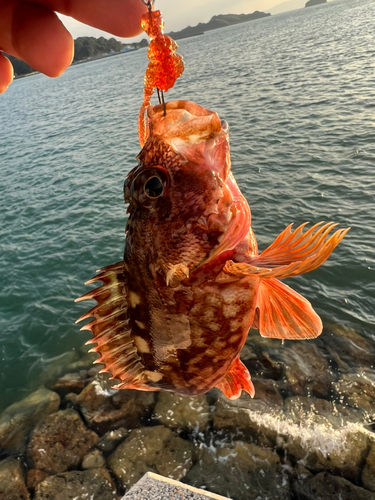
(110, 328)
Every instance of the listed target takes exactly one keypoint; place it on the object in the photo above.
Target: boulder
(341, 451)
(181, 413)
(111, 439)
(242, 471)
(93, 460)
(307, 370)
(358, 390)
(60, 442)
(12, 483)
(93, 484)
(347, 348)
(57, 366)
(17, 420)
(368, 474)
(70, 382)
(248, 418)
(108, 409)
(151, 449)
(324, 486)
(34, 477)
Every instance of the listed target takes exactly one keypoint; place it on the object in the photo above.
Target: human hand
(31, 31)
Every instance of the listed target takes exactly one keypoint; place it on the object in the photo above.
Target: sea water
(297, 90)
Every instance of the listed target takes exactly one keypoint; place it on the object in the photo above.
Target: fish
(176, 312)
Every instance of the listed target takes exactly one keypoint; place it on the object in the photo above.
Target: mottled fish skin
(176, 312)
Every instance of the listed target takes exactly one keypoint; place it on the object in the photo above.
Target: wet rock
(112, 439)
(347, 348)
(12, 483)
(60, 442)
(70, 382)
(258, 360)
(93, 484)
(368, 474)
(151, 449)
(307, 370)
(267, 391)
(319, 411)
(108, 409)
(34, 477)
(250, 418)
(320, 447)
(324, 486)
(83, 363)
(18, 419)
(93, 460)
(181, 413)
(358, 391)
(57, 366)
(243, 471)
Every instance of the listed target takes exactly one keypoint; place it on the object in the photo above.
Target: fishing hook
(149, 4)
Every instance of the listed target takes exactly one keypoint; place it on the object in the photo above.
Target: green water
(297, 90)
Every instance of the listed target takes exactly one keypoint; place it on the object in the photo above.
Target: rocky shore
(307, 434)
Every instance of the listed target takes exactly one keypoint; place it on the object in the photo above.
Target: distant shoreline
(216, 22)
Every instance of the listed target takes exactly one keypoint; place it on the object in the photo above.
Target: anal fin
(236, 380)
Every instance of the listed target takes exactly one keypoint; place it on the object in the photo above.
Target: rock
(258, 356)
(368, 474)
(358, 390)
(151, 449)
(34, 477)
(57, 366)
(12, 484)
(250, 418)
(93, 460)
(320, 447)
(307, 370)
(181, 413)
(112, 439)
(93, 484)
(243, 471)
(106, 410)
(347, 348)
(70, 382)
(83, 363)
(267, 391)
(319, 411)
(18, 419)
(60, 442)
(324, 486)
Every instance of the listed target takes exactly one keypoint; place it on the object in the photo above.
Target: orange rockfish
(175, 313)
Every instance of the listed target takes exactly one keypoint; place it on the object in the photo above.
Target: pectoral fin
(236, 380)
(292, 253)
(283, 313)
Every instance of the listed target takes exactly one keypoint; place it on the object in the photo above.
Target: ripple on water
(297, 91)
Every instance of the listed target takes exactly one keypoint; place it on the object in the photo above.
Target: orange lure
(165, 64)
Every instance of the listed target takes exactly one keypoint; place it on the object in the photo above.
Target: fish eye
(153, 187)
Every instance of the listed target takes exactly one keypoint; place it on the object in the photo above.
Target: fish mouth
(238, 225)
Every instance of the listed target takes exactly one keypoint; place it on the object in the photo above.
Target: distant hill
(220, 21)
(311, 3)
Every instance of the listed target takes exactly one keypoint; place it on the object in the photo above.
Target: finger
(6, 73)
(118, 17)
(41, 40)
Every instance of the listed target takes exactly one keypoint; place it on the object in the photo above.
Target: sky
(180, 13)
